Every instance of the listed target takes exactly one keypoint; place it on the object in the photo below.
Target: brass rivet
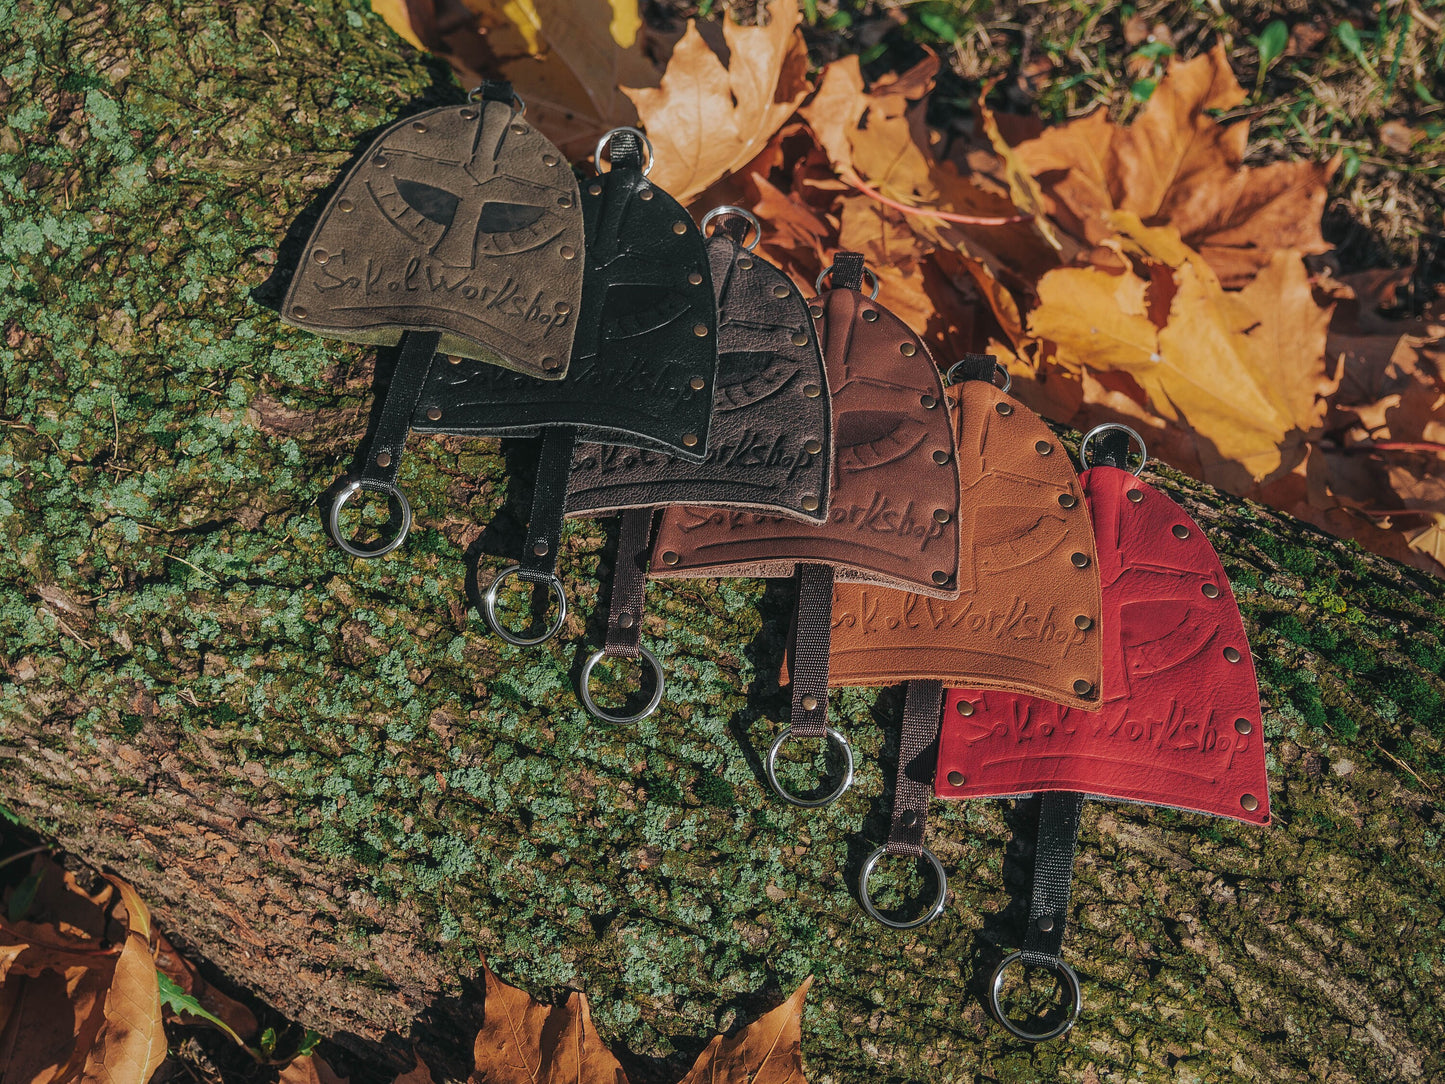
(594, 189)
(812, 391)
(695, 279)
(815, 311)
(1043, 447)
(1083, 622)
(745, 262)
(564, 201)
(469, 114)
(810, 703)
(434, 413)
(418, 126)
(1231, 654)
(670, 558)
(645, 194)
(780, 290)
(518, 129)
(955, 779)
(1004, 409)
(941, 515)
(380, 161)
(1179, 530)
(909, 818)
(540, 549)
(870, 315)
(813, 447)
(1083, 688)
(940, 578)
(562, 308)
(1210, 591)
(626, 621)
(689, 440)
(568, 252)
(800, 338)
(383, 460)
(679, 228)
(1081, 560)
(929, 402)
(700, 330)
(940, 458)
(345, 205)
(299, 312)
(549, 159)
(1045, 923)
(1067, 500)
(965, 708)
(697, 383)
(321, 255)
(907, 349)
(549, 363)
(1136, 495)
(457, 361)
(1243, 726)
(810, 503)
(1249, 802)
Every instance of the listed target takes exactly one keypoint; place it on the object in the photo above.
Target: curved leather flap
(770, 447)
(894, 514)
(1027, 615)
(1180, 723)
(645, 357)
(456, 220)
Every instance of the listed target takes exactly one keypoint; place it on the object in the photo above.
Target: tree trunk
(333, 784)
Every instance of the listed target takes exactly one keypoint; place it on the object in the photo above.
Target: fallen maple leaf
(310, 1069)
(707, 118)
(131, 1043)
(523, 1041)
(767, 1051)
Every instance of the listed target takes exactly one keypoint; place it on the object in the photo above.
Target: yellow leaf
(1027, 195)
(767, 1051)
(626, 22)
(398, 17)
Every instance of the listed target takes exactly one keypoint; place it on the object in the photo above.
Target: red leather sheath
(1180, 722)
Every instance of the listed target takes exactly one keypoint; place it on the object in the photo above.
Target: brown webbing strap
(917, 757)
(812, 640)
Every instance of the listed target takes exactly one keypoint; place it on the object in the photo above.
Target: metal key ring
(489, 609)
(1008, 379)
(772, 769)
(1073, 991)
(732, 209)
(928, 916)
(606, 139)
(1092, 433)
(867, 274)
(520, 111)
(351, 489)
(609, 717)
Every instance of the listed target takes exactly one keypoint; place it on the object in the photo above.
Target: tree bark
(331, 782)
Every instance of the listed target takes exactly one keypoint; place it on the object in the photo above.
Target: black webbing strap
(629, 580)
(1113, 448)
(498, 90)
(974, 367)
(734, 227)
(917, 758)
(812, 641)
(413, 363)
(1053, 877)
(549, 499)
(848, 271)
(624, 151)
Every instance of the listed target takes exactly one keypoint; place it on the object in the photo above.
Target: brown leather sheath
(894, 513)
(1026, 617)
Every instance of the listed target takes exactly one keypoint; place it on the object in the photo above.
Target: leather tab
(917, 755)
(629, 581)
(456, 220)
(848, 271)
(413, 362)
(544, 525)
(809, 717)
(1180, 722)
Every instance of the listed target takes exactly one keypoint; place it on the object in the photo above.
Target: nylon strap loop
(917, 756)
(413, 363)
(975, 367)
(1059, 814)
(549, 499)
(629, 580)
(1113, 448)
(848, 271)
(496, 90)
(624, 151)
(812, 641)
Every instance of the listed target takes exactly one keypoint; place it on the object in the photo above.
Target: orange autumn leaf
(767, 1051)
(309, 1069)
(131, 1043)
(706, 118)
(523, 1041)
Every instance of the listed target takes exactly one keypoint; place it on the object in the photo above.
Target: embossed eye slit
(1008, 538)
(634, 309)
(749, 377)
(874, 438)
(1159, 636)
(432, 203)
(508, 217)
(504, 229)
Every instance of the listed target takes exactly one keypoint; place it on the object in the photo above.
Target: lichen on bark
(334, 785)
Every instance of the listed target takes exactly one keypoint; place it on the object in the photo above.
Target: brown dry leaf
(131, 1043)
(523, 1041)
(1175, 164)
(707, 119)
(767, 1051)
(417, 1074)
(310, 1069)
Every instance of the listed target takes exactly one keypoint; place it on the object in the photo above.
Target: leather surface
(1180, 723)
(763, 424)
(895, 474)
(455, 221)
(646, 334)
(1015, 623)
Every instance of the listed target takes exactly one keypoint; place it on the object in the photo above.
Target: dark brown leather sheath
(894, 514)
(771, 442)
(458, 220)
(1026, 618)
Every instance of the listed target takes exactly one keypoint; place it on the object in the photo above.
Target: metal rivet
(679, 228)
(1083, 622)
(418, 126)
(457, 361)
(380, 161)
(745, 262)
(697, 383)
(928, 401)
(941, 515)
(965, 708)
(469, 114)
(645, 194)
(1081, 560)
(870, 315)
(1249, 802)
(383, 460)
(549, 159)
(810, 703)
(540, 549)
(321, 255)
(549, 363)
(1136, 495)
(695, 279)
(1004, 409)
(907, 349)
(568, 252)
(564, 201)
(1179, 531)
(1067, 500)
(1083, 688)
(1210, 591)
(1231, 654)
(689, 440)
(815, 311)
(562, 308)
(1045, 923)
(810, 503)
(940, 578)
(1243, 726)
(955, 779)
(299, 312)
(940, 458)
(781, 291)
(345, 205)
(594, 189)
(800, 338)
(670, 558)
(813, 447)
(1043, 447)
(518, 129)
(700, 330)
(812, 391)
(434, 413)
(626, 621)
(909, 818)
